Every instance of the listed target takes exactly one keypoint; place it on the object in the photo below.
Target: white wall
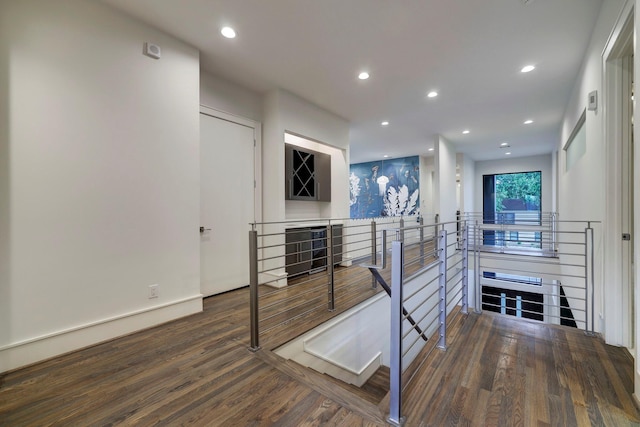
(465, 168)
(228, 97)
(445, 202)
(284, 112)
(99, 183)
(427, 208)
(582, 193)
(512, 165)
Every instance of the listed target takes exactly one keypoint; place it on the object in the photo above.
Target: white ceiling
(470, 51)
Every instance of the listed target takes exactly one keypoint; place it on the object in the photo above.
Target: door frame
(257, 152)
(616, 303)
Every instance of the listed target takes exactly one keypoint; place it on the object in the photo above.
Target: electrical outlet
(153, 291)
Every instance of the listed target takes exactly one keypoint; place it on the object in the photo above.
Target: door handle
(202, 229)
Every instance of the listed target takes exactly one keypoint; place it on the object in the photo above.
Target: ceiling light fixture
(431, 149)
(432, 94)
(527, 68)
(508, 153)
(466, 131)
(528, 122)
(385, 156)
(363, 75)
(504, 144)
(385, 123)
(228, 32)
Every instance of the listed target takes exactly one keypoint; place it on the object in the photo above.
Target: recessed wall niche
(307, 174)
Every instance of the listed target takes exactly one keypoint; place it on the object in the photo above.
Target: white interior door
(227, 203)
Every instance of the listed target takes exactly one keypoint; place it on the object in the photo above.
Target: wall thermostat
(152, 50)
(592, 101)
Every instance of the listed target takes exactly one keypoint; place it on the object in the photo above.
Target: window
(512, 199)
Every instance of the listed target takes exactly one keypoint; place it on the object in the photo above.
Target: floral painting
(385, 188)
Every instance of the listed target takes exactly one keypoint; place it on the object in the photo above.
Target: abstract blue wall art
(385, 188)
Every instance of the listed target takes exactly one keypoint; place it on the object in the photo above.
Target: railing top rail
(329, 220)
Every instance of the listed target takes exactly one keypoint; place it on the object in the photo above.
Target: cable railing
(430, 295)
(298, 269)
(553, 284)
(433, 272)
(554, 287)
(516, 230)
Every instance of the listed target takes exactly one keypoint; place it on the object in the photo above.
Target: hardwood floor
(198, 371)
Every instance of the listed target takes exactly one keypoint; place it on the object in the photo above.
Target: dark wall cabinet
(307, 174)
(306, 249)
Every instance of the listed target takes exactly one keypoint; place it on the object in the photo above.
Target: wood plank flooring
(198, 371)
(499, 371)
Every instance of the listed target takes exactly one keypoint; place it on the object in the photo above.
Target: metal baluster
(374, 255)
(442, 342)
(253, 290)
(395, 401)
(465, 270)
(329, 244)
(476, 267)
(421, 242)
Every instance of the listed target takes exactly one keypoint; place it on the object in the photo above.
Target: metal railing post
(442, 342)
(589, 283)
(476, 267)
(397, 319)
(465, 270)
(331, 294)
(593, 303)
(253, 290)
(401, 238)
(383, 245)
(436, 232)
(421, 242)
(374, 255)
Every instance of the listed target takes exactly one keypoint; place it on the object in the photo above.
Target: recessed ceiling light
(504, 144)
(228, 32)
(432, 94)
(363, 75)
(466, 131)
(508, 153)
(385, 156)
(385, 123)
(430, 149)
(527, 68)
(528, 122)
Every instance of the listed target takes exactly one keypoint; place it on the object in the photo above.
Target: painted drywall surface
(445, 179)
(467, 181)
(335, 341)
(101, 199)
(284, 112)
(426, 187)
(519, 164)
(222, 95)
(582, 190)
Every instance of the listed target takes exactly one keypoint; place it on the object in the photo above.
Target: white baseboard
(347, 261)
(37, 349)
(275, 279)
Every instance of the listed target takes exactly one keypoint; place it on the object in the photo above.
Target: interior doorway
(620, 274)
(227, 200)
